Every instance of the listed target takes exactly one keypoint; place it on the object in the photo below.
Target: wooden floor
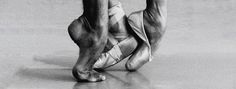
(189, 71)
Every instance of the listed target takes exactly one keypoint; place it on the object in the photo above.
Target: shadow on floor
(119, 80)
(60, 60)
(46, 74)
(115, 79)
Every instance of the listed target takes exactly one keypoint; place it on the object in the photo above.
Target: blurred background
(200, 37)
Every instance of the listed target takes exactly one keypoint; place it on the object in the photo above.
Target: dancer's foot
(117, 53)
(139, 58)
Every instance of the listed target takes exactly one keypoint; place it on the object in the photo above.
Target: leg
(154, 21)
(89, 32)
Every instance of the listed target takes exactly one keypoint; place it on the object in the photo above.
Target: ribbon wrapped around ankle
(115, 14)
